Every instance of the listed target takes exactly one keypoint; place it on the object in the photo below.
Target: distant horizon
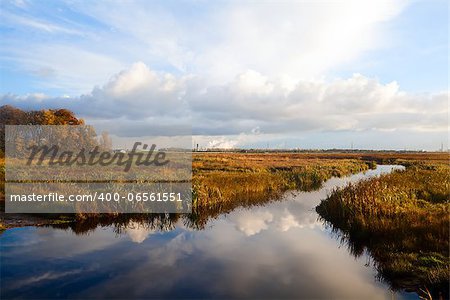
(318, 150)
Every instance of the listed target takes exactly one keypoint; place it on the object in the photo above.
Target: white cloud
(302, 40)
(250, 107)
(356, 103)
(299, 40)
(138, 93)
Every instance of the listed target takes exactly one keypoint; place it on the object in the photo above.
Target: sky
(241, 74)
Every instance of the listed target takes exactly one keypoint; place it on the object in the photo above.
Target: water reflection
(279, 250)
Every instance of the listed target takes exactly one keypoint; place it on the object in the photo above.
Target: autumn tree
(10, 115)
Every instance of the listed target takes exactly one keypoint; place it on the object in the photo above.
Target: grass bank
(220, 178)
(402, 219)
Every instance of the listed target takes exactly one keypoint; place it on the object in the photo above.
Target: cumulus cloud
(134, 102)
(137, 93)
(249, 108)
(355, 103)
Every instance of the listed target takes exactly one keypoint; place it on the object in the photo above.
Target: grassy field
(402, 219)
(223, 181)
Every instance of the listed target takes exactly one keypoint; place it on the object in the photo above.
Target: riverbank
(402, 220)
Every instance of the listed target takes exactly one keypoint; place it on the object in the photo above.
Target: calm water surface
(280, 250)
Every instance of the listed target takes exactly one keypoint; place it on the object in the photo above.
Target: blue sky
(417, 55)
(243, 72)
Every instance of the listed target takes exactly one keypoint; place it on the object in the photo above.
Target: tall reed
(402, 219)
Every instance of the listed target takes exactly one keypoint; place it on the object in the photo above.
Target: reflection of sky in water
(280, 250)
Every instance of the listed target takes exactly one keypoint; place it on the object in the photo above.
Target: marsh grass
(244, 178)
(402, 219)
(224, 181)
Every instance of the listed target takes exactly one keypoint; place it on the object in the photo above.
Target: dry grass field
(246, 177)
(223, 181)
